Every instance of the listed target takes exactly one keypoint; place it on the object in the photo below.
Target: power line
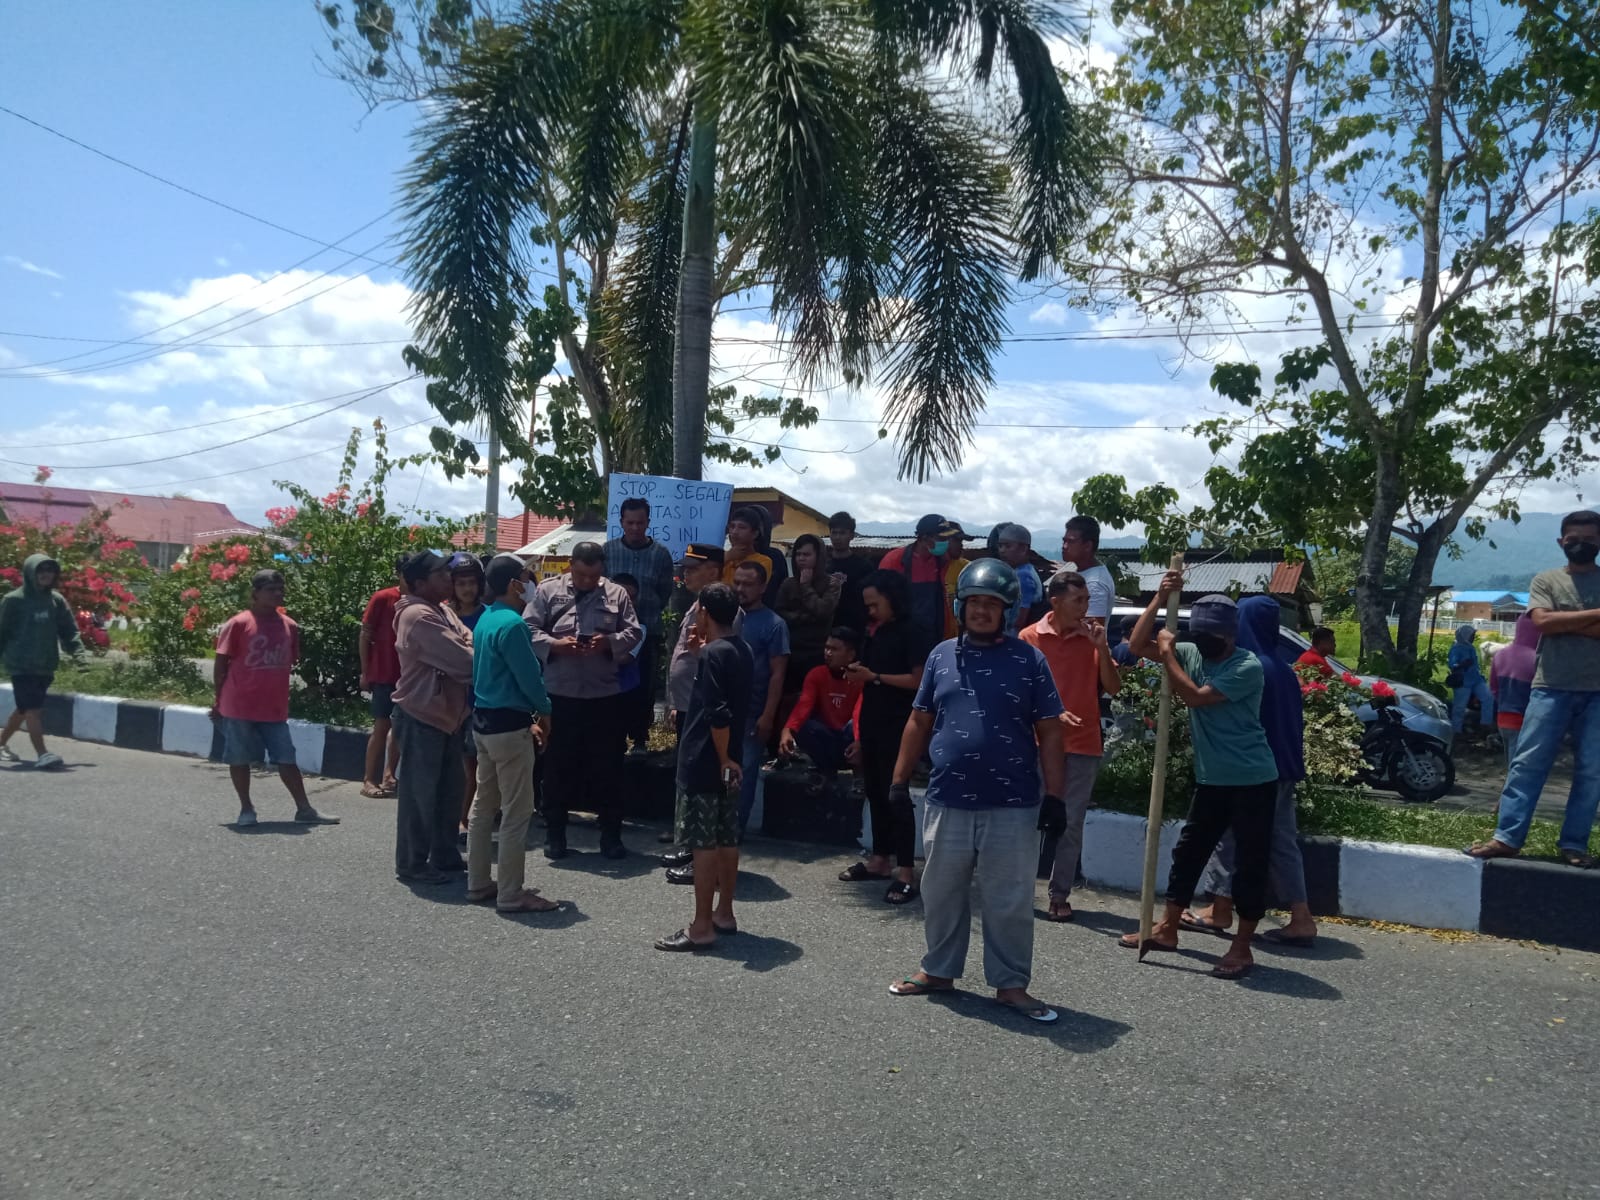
(162, 179)
(61, 337)
(144, 462)
(49, 362)
(128, 437)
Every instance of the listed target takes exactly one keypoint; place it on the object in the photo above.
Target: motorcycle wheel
(1421, 773)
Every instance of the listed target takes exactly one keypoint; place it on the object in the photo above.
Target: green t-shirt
(1568, 662)
(1230, 746)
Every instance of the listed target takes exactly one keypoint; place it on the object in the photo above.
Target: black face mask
(1580, 553)
(1210, 645)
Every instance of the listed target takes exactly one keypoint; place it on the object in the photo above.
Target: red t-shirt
(383, 661)
(261, 651)
(1312, 659)
(1075, 667)
(828, 698)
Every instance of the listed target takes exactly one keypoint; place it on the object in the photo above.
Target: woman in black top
(890, 668)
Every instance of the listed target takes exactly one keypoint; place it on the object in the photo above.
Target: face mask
(1580, 553)
(1210, 645)
(939, 549)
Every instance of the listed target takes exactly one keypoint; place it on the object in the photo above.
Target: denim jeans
(1463, 696)
(755, 751)
(1550, 716)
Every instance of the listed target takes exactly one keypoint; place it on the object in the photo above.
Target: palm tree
(854, 158)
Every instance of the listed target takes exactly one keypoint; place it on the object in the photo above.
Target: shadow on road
(594, 863)
(568, 915)
(1078, 1032)
(755, 888)
(757, 953)
(294, 828)
(1264, 978)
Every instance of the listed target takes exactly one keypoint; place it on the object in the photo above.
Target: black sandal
(858, 873)
(900, 892)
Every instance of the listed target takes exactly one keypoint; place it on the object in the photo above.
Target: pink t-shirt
(261, 651)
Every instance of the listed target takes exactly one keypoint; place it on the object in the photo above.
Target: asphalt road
(193, 1011)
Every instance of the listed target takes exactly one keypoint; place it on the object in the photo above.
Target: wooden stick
(1158, 786)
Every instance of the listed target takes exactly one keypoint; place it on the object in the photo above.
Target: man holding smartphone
(583, 628)
(715, 726)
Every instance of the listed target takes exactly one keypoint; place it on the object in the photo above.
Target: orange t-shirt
(1075, 667)
(731, 564)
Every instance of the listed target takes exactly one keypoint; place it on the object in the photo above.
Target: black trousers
(894, 829)
(587, 741)
(1248, 811)
(640, 704)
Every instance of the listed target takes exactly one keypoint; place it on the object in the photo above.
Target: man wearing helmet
(988, 714)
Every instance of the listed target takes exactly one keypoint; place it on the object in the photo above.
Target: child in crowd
(256, 650)
(822, 724)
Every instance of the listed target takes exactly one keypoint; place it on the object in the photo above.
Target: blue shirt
(985, 701)
(505, 670)
(1030, 592)
(767, 635)
(1230, 744)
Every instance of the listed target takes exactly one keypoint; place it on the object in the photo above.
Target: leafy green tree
(1413, 178)
(1335, 575)
(670, 154)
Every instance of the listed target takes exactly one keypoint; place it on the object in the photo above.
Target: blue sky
(229, 100)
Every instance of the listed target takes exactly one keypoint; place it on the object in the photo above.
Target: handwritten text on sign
(681, 510)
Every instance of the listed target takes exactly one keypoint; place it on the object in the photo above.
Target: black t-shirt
(852, 610)
(897, 648)
(721, 700)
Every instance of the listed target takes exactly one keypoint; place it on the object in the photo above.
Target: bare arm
(1142, 639)
(1051, 761)
(219, 676)
(914, 744)
(364, 651)
(1184, 688)
(1110, 677)
(1585, 622)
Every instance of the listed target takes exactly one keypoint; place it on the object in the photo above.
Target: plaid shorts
(707, 820)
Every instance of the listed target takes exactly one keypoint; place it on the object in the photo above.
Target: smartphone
(727, 776)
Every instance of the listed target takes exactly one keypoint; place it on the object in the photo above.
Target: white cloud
(32, 268)
(1049, 313)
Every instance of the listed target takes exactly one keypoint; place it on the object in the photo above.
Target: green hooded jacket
(33, 620)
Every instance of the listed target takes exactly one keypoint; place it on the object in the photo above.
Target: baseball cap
(1214, 614)
(933, 525)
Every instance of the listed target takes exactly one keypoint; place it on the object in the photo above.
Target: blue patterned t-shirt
(985, 701)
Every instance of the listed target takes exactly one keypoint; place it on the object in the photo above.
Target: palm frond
(641, 302)
(945, 200)
(479, 166)
(793, 141)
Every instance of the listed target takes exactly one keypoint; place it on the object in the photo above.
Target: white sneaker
(47, 760)
(246, 818)
(8, 755)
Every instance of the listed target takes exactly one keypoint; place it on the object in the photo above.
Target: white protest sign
(681, 510)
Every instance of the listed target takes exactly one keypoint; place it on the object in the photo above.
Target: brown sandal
(528, 902)
(1493, 848)
(1577, 858)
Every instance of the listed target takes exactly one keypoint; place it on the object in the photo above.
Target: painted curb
(1414, 885)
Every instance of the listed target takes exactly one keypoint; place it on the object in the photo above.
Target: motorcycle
(1415, 764)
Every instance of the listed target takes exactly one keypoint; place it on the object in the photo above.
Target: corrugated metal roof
(1204, 578)
(162, 519)
(1489, 597)
(1286, 579)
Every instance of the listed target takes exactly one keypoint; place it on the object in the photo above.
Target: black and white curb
(1411, 885)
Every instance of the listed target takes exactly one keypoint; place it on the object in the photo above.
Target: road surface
(191, 1010)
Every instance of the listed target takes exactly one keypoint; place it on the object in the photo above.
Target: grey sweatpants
(1081, 770)
(998, 850)
(1286, 872)
(427, 808)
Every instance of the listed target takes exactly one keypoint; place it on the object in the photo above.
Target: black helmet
(989, 577)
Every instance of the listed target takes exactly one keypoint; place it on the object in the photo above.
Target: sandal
(1201, 924)
(1130, 941)
(1493, 848)
(528, 902)
(1060, 912)
(1236, 971)
(900, 892)
(1034, 1010)
(373, 791)
(858, 873)
(682, 942)
(912, 986)
(1577, 858)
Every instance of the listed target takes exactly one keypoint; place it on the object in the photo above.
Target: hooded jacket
(1282, 714)
(435, 652)
(1511, 672)
(1463, 656)
(34, 622)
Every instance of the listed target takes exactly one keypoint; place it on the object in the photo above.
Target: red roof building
(514, 532)
(163, 526)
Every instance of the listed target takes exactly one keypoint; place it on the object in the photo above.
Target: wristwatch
(876, 678)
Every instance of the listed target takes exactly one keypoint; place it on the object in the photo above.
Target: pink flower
(237, 554)
(189, 594)
(1382, 690)
(1308, 688)
(42, 475)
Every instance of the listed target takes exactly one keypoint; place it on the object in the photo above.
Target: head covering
(32, 565)
(1214, 614)
(1465, 634)
(1012, 532)
(422, 564)
(1282, 715)
(503, 568)
(935, 526)
(703, 552)
(1518, 660)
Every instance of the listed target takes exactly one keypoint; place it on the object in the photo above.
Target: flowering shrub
(334, 550)
(99, 569)
(1333, 731)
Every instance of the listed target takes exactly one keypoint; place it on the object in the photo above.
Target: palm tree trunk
(691, 362)
(491, 499)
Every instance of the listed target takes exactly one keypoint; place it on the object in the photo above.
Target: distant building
(790, 517)
(164, 528)
(512, 532)
(1489, 605)
(1258, 573)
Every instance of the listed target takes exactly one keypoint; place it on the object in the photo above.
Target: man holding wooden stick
(1235, 772)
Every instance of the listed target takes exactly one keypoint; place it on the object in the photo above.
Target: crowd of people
(488, 687)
